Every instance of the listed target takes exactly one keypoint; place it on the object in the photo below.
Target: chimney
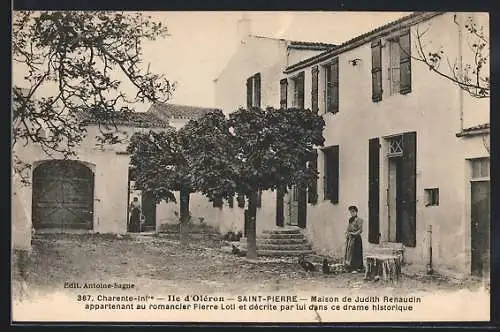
(244, 28)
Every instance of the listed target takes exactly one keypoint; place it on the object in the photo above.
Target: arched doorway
(63, 195)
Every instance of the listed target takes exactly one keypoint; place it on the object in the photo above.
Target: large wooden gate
(63, 192)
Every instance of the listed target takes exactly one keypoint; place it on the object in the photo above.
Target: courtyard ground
(163, 266)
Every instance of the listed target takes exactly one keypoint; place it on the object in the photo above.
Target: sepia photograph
(250, 166)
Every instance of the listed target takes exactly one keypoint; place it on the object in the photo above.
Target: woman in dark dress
(135, 216)
(354, 244)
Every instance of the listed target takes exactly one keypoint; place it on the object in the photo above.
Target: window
(217, 202)
(393, 68)
(312, 191)
(298, 91)
(283, 93)
(395, 146)
(332, 87)
(314, 88)
(398, 65)
(331, 179)
(432, 197)
(254, 91)
(480, 168)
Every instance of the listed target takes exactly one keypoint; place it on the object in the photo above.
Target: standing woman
(135, 216)
(354, 244)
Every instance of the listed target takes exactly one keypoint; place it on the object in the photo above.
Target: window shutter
(335, 175)
(283, 92)
(217, 202)
(334, 97)
(373, 190)
(405, 63)
(377, 70)
(231, 201)
(314, 88)
(249, 92)
(257, 91)
(259, 199)
(241, 200)
(300, 90)
(313, 188)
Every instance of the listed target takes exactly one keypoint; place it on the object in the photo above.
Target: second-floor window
(254, 91)
(332, 87)
(298, 91)
(398, 62)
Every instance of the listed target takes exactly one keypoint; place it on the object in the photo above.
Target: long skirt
(135, 221)
(354, 253)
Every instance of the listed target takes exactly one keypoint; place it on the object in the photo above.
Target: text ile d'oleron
(276, 303)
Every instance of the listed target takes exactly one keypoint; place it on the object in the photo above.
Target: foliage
(159, 163)
(72, 60)
(273, 147)
(471, 73)
(209, 151)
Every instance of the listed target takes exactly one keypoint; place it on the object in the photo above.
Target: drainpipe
(429, 240)
(459, 23)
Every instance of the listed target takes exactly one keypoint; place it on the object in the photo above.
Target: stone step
(280, 236)
(282, 247)
(277, 253)
(279, 241)
(282, 231)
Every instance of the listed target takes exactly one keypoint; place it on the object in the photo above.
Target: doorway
(394, 199)
(298, 207)
(480, 218)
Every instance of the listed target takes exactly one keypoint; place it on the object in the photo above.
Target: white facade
(436, 109)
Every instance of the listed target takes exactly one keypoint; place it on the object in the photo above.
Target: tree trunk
(184, 215)
(252, 229)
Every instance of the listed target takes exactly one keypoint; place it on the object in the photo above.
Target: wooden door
(480, 226)
(148, 205)
(294, 207)
(280, 217)
(407, 191)
(63, 195)
(302, 208)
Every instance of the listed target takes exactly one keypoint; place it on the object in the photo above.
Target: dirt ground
(162, 266)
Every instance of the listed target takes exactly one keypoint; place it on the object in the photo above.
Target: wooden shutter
(300, 90)
(249, 92)
(405, 63)
(377, 70)
(258, 202)
(302, 207)
(231, 202)
(217, 202)
(373, 190)
(314, 88)
(283, 93)
(312, 196)
(257, 91)
(409, 190)
(333, 87)
(241, 200)
(280, 207)
(332, 174)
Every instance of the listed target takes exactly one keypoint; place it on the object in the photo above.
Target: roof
(303, 45)
(129, 119)
(475, 130)
(403, 22)
(168, 111)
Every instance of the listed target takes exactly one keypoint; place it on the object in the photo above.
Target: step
(283, 252)
(282, 231)
(280, 236)
(279, 241)
(281, 247)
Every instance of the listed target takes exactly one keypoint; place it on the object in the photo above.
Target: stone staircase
(280, 241)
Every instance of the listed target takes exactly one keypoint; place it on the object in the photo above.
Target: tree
(469, 73)
(273, 147)
(160, 167)
(73, 61)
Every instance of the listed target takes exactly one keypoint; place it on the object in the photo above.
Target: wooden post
(429, 239)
